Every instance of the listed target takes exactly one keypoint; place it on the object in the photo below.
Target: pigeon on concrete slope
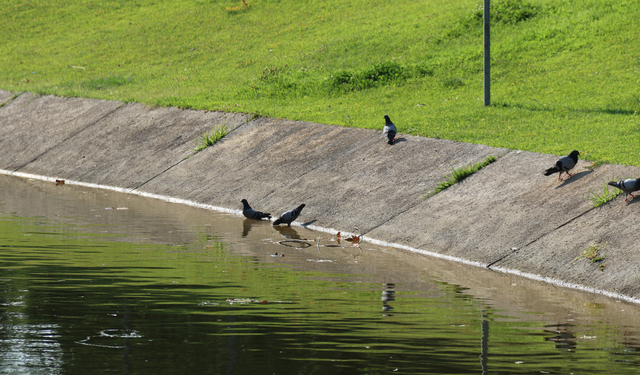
(564, 165)
(628, 186)
(250, 213)
(389, 130)
(289, 216)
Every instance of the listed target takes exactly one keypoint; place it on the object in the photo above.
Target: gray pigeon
(564, 165)
(628, 186)
(389, 130)
(250, 213)
(289, 216)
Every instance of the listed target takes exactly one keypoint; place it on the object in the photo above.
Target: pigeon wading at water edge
(289, 216)
(389, 130)
(250, 213)
(564, 165)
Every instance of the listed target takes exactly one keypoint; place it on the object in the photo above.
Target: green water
(95, 282)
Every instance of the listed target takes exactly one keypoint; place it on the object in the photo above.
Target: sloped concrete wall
(507, 217)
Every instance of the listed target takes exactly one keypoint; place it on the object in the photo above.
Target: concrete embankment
(508, 216)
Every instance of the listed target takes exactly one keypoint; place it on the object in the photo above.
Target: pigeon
(564, 165)
(250, 213)
(628, 186)
(289, 216)
(389, 130)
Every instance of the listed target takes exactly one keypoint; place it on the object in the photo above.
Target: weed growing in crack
(598, 199)
(208, 139)
(460, 174)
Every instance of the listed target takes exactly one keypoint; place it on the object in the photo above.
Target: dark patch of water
(159, 288)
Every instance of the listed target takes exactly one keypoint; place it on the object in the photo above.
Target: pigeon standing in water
(389, 130)
(564, 165)
(628, 186)
(289, 216)
(250, 213)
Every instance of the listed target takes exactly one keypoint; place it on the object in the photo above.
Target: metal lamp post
(487, 53)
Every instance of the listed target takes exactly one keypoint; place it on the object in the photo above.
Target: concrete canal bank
(508, 216)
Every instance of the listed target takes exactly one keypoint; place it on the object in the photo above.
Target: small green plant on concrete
(598, 199)
(208, 139)
(460, 174)
(602, 266)
(593, 254)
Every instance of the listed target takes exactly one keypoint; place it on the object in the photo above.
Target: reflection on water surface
(95, 281)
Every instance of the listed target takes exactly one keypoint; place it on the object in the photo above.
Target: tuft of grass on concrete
(607, 195)
(208, 139)
(565, 75)
(593, 254)
(460, 174)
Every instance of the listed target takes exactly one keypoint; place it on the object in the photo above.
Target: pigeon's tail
(551, 171)
(298, 209)
(391, 137)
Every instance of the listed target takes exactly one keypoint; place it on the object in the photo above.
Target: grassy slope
(566, 79)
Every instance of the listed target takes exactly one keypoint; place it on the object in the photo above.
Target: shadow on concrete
(400, 140)
(574, 178)
(309, 223)
(634, 200)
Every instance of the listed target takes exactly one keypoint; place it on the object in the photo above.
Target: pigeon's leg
(560, 176)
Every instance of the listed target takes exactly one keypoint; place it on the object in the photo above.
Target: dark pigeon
(389, 130)
(289, 216)
(564, 165)
(628, 186)
(250, 213)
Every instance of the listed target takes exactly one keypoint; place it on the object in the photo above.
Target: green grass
(593, 253)
(600, 198)
(460, 174)
(565, 74)
(208, 139)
